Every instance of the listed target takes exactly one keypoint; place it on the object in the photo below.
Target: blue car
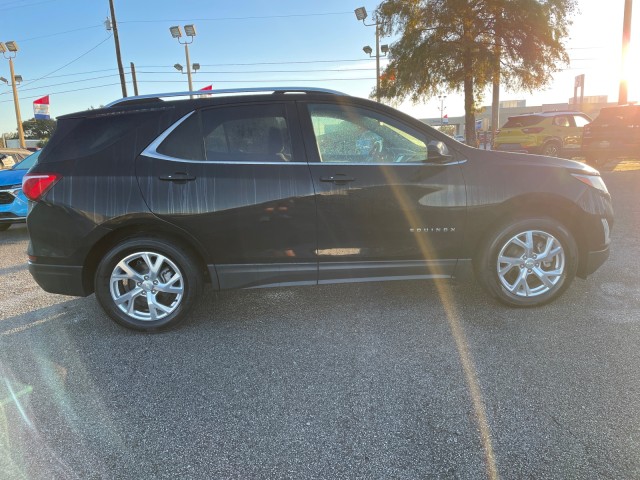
(13, 203)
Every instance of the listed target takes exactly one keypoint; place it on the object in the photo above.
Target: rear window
(619, 116)
(79, 137)
(524, 121)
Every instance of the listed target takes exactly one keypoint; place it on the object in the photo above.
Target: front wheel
(551, 149)
(147, 285)
(528, 262)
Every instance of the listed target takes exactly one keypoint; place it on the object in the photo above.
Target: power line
(81, 73)
(253, 17)
(281, 80)
(26, 5)
(66, 91)
(69, 63)
(68, 83)
(203, 81)
(235, 72)
(60, 33)
(263, 63)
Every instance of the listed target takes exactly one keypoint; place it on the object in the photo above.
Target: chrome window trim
(397, 164)
(151, 150)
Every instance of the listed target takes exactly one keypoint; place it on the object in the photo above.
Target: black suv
(148, 199)
(614, 133)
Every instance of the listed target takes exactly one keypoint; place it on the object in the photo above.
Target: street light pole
(16, 103)
(442, 99)
(186, 52)
(626, 39)
(190, 31)
(9, 51)
(377, 62)
(361, 14)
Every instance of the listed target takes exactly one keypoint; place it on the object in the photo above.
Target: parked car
(614, 133)
(147, 199)
(13, 203)
(10, 156)
(550, 133)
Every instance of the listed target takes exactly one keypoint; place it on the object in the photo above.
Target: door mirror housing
(438, 152)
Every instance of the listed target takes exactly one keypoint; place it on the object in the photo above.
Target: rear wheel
(528, 262)
(147, 285)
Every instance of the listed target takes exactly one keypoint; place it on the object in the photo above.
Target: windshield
(28, 162)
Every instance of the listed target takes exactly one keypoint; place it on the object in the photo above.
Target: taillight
(35, 185)
(533, 130)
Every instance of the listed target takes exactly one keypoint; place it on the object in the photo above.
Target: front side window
(251, 133)
(561, 121)
(580, 120)
(346, 134)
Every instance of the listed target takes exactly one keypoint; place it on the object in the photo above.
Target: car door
(389, 203)
(236, 178)
(573, 140)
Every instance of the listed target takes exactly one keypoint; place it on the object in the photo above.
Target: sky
(66, 52)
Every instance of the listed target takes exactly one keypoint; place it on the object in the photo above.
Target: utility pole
(626, 39)
(135, 81)
(114, 24)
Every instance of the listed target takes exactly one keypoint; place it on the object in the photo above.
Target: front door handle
(178, 177)
(338, 179)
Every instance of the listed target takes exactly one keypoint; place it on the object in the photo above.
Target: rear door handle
(179, 177)
(338, 179)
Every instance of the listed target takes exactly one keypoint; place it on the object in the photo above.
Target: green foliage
(38, 129)
(447, 129)
(460, 45)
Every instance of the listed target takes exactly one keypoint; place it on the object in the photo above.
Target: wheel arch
(137, 228)
(547, 205)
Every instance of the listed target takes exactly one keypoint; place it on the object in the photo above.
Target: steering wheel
(375, 153)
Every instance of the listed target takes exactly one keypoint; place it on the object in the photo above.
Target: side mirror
(438, 152)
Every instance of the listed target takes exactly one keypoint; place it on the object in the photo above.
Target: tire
(164, 278)
(551, 149)
(4, 226)
(511, 266)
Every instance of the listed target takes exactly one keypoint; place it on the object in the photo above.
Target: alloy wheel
(531, 263)
(146, 286)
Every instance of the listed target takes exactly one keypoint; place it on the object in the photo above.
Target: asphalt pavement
(400, 380)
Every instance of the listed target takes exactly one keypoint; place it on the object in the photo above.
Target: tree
(38, 129)
(464, 45)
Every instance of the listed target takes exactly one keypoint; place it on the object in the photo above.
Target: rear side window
(523, 121)
(251, 133)
(185, 141)
(80, 137)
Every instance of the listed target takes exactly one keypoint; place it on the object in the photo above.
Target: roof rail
(225, 91)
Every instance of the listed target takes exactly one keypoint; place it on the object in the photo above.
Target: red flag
(41, 108)
(208, 87)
